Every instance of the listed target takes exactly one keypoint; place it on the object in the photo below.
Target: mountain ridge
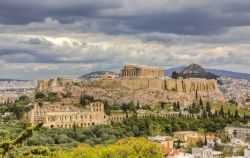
(219, 72)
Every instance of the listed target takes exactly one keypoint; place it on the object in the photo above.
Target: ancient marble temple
(142, 71)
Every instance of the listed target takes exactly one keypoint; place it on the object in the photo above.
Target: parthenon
(142, 71)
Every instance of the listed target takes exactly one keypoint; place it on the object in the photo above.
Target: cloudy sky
(41, 39)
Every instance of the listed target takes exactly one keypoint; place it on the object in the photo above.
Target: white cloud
(49, 48)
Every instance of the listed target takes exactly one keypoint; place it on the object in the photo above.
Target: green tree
(125, 108)
(107, 108)
(175, 75)
(53, 97)
(221, 112)
(236, 114)
(129, 147)
(208, 109)
(216, 113)
(155, 129)
(199, 143)
(7, 146)
(196, 94)
(201, 102)
(178, 107)
(40, 95)
(162, 105)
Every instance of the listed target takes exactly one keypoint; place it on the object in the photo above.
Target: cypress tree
(216, 113)
(174, 106)
(162, 105)
(208, 109)
(221, 112)
(201, 101)
(81, 99)
(236, 114)
(205, 143)
(196, 94)
(178, 106)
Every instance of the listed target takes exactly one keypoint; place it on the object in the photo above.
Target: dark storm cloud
(191, 22)
(26, 11)
(54, 37)
(214, 18)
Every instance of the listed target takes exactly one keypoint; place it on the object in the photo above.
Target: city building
(171, 153)
(247, 152)
(12, 90)
(206, 152)
(142, 71)
(187, 137)
(235, 132)
(165, 141)
(211, 140)
(184, 135)
(234, 146)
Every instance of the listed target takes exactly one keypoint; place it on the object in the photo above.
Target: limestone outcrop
(179, 85)
(143, 90)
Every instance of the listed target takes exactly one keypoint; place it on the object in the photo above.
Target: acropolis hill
(150, 89)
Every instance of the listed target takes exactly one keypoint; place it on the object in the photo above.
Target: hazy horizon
(42, 39)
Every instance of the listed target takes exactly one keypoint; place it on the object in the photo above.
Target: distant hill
(96, 74)
(231, 74)
(12, 80)
(196, 71)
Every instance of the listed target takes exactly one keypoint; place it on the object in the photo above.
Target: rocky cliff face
(179, 85)
(191, 85)
(147, 91)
